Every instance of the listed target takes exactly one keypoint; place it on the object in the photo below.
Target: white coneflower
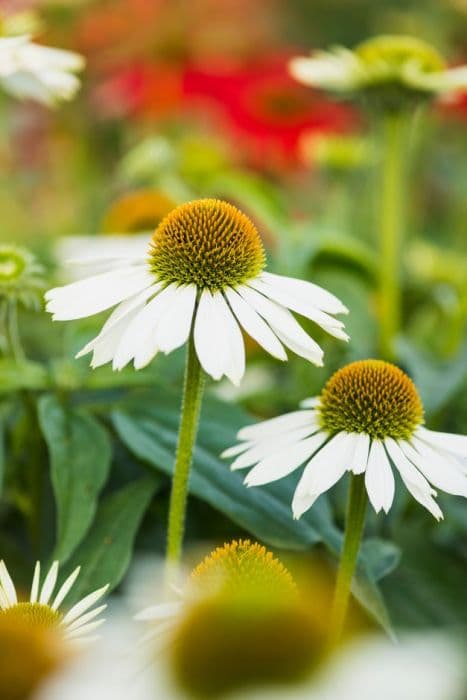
(368, 417)
(43, 608)
(388, 67)
(203, 274)
(40, 73)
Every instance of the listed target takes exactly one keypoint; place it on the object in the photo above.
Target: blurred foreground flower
(242, 623)
(203, 276)
(387, 70)
(40, 73)
(37, 640)
(368, 415)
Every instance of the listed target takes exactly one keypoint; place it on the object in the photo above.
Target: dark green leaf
(105, 554)
(80, 456)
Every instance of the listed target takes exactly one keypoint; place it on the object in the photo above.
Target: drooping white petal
(269, 445)
(65, 589)
(328, 323)
(49, 584)
(139, 334)
(174, 325)
(457, 444)
(35, 583)
(146, 345)
(85, 629)
(84, 605)
(7, 585)
(236, 449)
(287, 329)
(308, 292)
(324, 469)
(331, 71)
(255, 326)
(415, 482)
(98, 293)
(210, 343)
(359, 460)
(379, 479)
(440, 469)
(225, 321)
(85, 619)
(278, 425)
(284, 461)
(312, 402)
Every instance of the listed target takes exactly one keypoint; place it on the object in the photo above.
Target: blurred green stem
(391, 220)
(14, 347)
(190, 412)
(355, 520)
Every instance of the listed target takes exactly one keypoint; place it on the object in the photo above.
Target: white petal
(359, 459)
(324, 70)
(328, 323)
(312, 402)
(269, 446)
(285, 461)
(95, 294)
(7, 585)
(138, 338)
(415, 482)
(65, 589)
(324, 469)
(379, 479)
(163, 611)
(457, 444)
(255, 326)
(278, 425)
(174, 325)
(4, 602)
(310, 293)
(84, 605)
(35, 583)
(284, 325)
(84, 619)
(49, 584)
(236, 449)
(85, 629)
(440, 469)
(210, 341)
(225, 321)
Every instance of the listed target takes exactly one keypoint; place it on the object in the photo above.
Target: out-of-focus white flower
(368, 415)
(40, 73)
(390, 63)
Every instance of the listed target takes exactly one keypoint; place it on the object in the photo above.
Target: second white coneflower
(203, 280)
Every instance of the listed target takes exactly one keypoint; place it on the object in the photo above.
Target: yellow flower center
(208, 243)
(28, 655)
(35, 614)
(373, 397)
(138, 211)
(240, 565)
(392, 53)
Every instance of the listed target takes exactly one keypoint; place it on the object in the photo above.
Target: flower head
(203, 275)
(389, 70)
(43, 609)
(39, 73)
(367, 420)
(21, 278)
(141, 210)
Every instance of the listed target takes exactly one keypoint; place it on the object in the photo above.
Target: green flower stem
(191, 405)
(391, 218)
(14, 342)
(355, 520)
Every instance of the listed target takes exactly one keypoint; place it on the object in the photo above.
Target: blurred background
(189, 99)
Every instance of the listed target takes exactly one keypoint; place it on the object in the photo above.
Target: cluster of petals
(277, 447)
(151, 316)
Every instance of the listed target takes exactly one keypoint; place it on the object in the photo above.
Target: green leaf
(105, 554)
(80, 456)
(148, 426)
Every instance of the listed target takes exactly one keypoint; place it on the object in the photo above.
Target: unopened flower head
(392, 71)
(138, 211)
(368, 420)
(203, 276)
(21, 277)
(44, 608)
